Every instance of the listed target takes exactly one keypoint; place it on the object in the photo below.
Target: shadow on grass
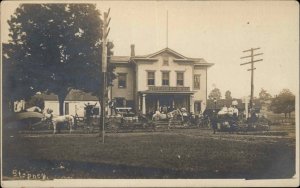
(159, 156)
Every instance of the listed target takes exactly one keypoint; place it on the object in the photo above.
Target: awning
(179, 90)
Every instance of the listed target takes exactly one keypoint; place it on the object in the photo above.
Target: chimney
(132, 54)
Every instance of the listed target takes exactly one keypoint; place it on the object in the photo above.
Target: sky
(217, 31)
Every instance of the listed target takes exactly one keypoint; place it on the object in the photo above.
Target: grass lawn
(174, 154)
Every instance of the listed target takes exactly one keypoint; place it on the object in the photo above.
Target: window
(151, 78)
(66, 108)
(122, 80)
(180, 78)
(120, 102)
(197, 81)
(130, 103)
(166, 61)
(165, 78)
(197, 107)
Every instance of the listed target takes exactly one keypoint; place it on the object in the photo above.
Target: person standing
(89, 114)
(214, 122)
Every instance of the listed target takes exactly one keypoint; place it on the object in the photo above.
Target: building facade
(146, 84)
(162, 79)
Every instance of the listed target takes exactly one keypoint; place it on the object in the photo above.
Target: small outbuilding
(74, 103)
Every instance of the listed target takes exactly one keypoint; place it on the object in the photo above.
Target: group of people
(225, 115)
(165, 109)
(232, 110)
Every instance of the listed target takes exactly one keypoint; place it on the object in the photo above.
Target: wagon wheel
(117, 127)
(132, 127)
(152, 125)
(113, 126)
(114, 129)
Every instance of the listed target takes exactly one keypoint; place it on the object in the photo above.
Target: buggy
(126, 120)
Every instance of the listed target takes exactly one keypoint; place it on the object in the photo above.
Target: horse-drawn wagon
(126, 120)
(226, 121)
(35, 119)
(181, 118)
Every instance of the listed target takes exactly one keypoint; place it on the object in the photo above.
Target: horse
(171, 115)
(59, 120)
(159, 116)
(204, 121)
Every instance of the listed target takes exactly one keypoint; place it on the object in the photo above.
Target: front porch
(149, 101)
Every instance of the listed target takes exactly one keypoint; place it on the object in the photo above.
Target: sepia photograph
(149, 93)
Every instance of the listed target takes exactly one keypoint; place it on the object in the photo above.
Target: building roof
(74, 95)
(78, 95)
(210, 105)
(120, 59)
(49, 97)
(167, 50)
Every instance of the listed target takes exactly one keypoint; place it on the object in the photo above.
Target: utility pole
(105, 33)
(167, 34)
(252, 61)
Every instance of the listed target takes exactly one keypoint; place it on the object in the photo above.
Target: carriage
(181, 118)
(230, 122)
(35, 119)
(126, 120)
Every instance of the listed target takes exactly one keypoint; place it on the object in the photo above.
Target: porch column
(192, 104)
(173, 103)
(157, 104)
(144, 104)
(140, 103)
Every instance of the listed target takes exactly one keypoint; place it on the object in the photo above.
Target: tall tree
(215, 94)
(16, 83)
(228, 95)
(56, 47)
(264, 95)
(283, 103)
(36, 100)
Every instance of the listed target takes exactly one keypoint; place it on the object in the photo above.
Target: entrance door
(197, 107)
(166, 101)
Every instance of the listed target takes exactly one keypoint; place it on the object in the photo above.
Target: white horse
(59, 120)
(160, 116)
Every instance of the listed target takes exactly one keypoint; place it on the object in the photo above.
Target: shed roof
(49, 97)
(78, 95)
(74, 95)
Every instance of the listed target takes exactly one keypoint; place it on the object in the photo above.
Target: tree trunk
(101, 118)
(7, 107)
(61, 99)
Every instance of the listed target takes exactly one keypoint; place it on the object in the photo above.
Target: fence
(283, 121)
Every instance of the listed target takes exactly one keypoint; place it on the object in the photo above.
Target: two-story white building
(165, 78)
